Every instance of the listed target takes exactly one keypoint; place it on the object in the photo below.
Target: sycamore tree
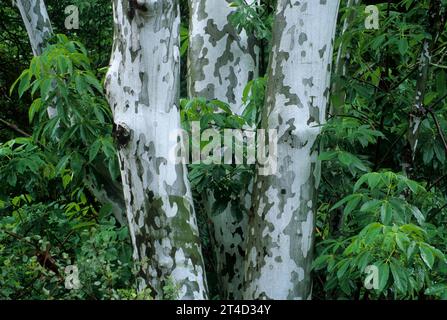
(281, 226)
(143, 91)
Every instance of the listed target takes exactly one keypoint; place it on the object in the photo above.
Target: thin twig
(438, 127)
(15, 128)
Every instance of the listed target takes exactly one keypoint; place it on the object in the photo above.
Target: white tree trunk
(38, 26)
(221, 62)
(143, 91)
(37, 23)
(279, 250)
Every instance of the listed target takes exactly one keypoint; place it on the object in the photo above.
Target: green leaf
(24, 82)
(105, 211)
(403, 46)
(352, 203)
(427, 255)
(83, 225)
(34, 108)
(93, 81)
(343, 267)
(402, 241)
(319, 262)
(399, 277)
(246, 92)
(374, 179)
(413, 185)
(94, 149)
(12, 179)
(410, 250)
(66, 179)
(62, 164)
(361, 181)
(386, 213)
(45, 88)
(384, 274)
(345, 158)
(326, 156)
(370, 205)
(417, 214)
(340, 203)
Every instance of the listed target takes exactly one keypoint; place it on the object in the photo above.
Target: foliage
(72, 116)
(382, 226)
(225, 181)
(378, 205)
(39, 240)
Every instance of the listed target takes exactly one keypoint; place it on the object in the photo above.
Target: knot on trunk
(135, 6)
(121, 134)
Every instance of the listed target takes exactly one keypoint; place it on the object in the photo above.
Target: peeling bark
(221, 61)
(280, 232)
(143, 90)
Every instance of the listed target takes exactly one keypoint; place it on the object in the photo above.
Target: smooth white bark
(143, 88)
(280, 235)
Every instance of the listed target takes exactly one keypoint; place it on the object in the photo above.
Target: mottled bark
(280, 232)
(38, 27)
(143, 91)
(107, 191)
(37, 23)
(221, 61)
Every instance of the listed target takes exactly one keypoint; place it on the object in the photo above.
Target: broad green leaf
(386, 213)
(427, 255)
(384, 273)
(94, 149)
(34, 108)
(24, 82)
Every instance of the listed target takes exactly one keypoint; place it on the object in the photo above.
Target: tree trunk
(143, 91)
(38, 26)
(221, 61)
(37, 23)
(280, 232)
